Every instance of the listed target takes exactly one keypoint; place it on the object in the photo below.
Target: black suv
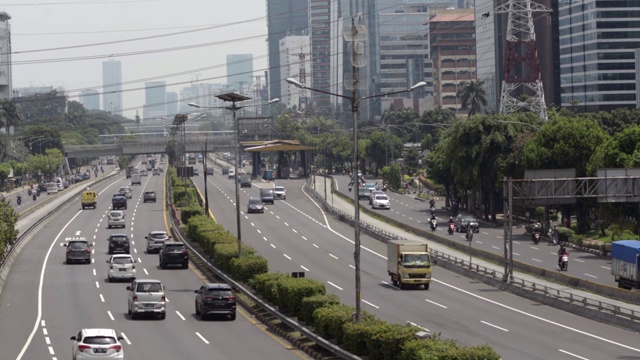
(267, 196)
(78, 250)
(119, 243)
(173, 253)
(118, 201)
(149, 196)
(215, 299)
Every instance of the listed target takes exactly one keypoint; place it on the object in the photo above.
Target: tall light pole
(355, 101)
(234, 98)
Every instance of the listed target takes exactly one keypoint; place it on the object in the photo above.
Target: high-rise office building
(112, 86)
(155, 100)
(284, 17)
(295, 63)
(598, 69)
(240, 72)
(404, 57)
(5, 57)
(320, 40)
(172, 104)
(90, 99)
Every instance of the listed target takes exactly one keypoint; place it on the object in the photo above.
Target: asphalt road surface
(406, 209)
(46, 301)
(295, 235)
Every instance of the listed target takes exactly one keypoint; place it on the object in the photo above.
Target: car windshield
(174, 247)
(99, 340)
(219, 292)
(468, 218)
(382, 197)
(122, 260)
(149, 287)
(115, 214)
(415, 261)
(78, 245)
(118, 238)
(371, 186)
(158, 236)
(149, 193)
(279, 188)
(125, 190)
(255, 201)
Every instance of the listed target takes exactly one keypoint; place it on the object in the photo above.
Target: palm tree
(473, 96)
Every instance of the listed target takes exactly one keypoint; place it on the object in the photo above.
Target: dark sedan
(255, 206)
(464, 221)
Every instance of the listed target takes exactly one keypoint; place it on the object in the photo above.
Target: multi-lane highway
(295, 235)
(45, 301)
(406, 209)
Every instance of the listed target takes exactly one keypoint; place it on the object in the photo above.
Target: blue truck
(625, 263)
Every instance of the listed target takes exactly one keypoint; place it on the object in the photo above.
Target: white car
(121, 267)
(97, 344)
(116, 219)
(380, 202)
(279, 192)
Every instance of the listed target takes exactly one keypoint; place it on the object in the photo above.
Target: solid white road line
(495, 326)
(202, 338)
(435, 303)
(574, 355)
(334, 285)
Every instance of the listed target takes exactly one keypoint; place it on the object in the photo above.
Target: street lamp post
(234, 98)
(355, 101)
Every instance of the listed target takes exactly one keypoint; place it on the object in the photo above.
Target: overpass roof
(275, 145)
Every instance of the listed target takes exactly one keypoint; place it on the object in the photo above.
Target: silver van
(146, 297)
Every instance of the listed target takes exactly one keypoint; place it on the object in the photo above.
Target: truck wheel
(402, 285)
(426, 286)
(394, 282)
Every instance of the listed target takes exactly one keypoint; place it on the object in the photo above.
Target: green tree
(472, 96)
(5, 170)
(412, 160)
(392, 175)
(622, 150)
(8, 231)
(382, 147)
(76, 114)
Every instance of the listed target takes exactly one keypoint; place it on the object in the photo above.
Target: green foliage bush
(356, 335)
(265, 286)
(386, 341)
(188, 212)
(312, 303)
(436, 349)
(329, 320)
(225, 252)
(291, 291)
(247, 267)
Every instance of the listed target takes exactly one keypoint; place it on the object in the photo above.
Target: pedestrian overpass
(193, 142)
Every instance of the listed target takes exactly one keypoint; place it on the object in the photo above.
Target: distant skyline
(233, 28)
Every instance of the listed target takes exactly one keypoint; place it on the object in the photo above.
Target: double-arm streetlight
(234, 98)
(355, 101)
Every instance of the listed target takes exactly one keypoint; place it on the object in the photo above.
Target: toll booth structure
(281, 147)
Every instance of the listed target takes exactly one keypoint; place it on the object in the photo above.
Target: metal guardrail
(527, 285)
(332, 348)
(24, 234)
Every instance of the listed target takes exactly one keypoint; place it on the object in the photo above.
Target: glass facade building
(112, 87)
(598, 42)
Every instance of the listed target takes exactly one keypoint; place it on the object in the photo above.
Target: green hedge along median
(307, 299)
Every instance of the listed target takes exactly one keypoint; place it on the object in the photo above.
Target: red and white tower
(522, 84)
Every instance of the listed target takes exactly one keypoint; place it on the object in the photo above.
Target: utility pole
(206, 193)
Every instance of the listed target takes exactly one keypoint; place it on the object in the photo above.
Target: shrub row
(307, 300)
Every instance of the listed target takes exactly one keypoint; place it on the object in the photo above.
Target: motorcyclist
(433, 221)
(537, 229)
(19, 199)
(451, 221)
(561, 252)
(554, 234)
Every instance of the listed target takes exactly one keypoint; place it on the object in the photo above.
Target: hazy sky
(45, 24)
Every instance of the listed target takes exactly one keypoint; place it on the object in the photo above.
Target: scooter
(564, 262)
(452, 228)
(433, 211)
(434, 224)
(536, 237)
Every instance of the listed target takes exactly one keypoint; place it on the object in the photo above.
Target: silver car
(146, 297)
(121, 267)
(126, 191)
(155, 240)
(116, 219)
(380, 201)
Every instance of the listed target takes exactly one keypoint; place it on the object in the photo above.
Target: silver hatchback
(121, 267)
(155, 240)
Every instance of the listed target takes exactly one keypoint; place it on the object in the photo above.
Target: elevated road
(295, 235)
(45, 301)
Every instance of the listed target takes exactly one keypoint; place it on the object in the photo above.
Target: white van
(232, 173)
(52, 188)
(136, 179)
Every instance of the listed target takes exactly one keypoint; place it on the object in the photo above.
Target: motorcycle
(452, 228)
(564, 262)
(433, 211)
(29, 192)
(35, 197)
(19, 200)
(349, 188)
(384, 188)
(434, 224)
(536, 237)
